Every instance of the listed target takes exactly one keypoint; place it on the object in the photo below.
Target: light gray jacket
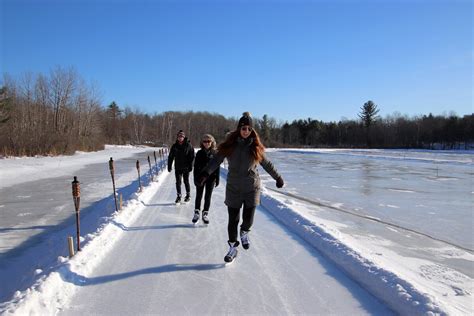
(243, 181)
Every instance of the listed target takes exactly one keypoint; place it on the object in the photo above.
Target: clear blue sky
(287, 59)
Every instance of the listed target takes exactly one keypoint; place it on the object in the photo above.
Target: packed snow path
(163, 264)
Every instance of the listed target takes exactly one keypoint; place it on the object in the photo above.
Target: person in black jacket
(183, 155)
(203, 156)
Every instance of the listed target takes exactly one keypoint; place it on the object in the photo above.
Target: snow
(370, 231)
(25, 169)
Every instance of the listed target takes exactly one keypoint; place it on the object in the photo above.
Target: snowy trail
(165, 265)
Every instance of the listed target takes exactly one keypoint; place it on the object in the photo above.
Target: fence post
(70, 244)
(112, 171)
(161, 159)
(149, 169)
(139, 181)
(76, 196)
(156, 167)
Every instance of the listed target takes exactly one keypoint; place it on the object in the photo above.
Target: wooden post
(156, 167)
(139, 181)
(112, 171)
(76, 196)
(161, 159)
(149, 168)
(70, 243)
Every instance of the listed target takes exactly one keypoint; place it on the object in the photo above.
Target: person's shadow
(79, 280)
(170, 226)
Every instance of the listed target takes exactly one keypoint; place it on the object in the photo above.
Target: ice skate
(187, 198)
(232, 253)
(205, 217)
(244, 238)
(196, 216)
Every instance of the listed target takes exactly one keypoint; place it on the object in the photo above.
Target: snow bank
(399, 294)
(51, 292)
(22, 169)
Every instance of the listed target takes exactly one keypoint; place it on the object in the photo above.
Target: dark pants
(234, 218)
(185, 175)
(207, 196)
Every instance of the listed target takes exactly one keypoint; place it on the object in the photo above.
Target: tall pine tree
(368, 115)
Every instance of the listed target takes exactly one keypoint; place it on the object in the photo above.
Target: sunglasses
(206, 141)
(245, 128)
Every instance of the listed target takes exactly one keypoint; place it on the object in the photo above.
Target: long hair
(257, 149)
(210, 137)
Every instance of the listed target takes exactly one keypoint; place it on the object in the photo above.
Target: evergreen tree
(368, 114)
(265, 128)
(114, 114)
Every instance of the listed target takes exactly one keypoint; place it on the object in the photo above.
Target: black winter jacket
(203, 156)
(183, 156)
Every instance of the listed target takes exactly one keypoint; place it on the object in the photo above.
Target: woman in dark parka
(203, 156)
(244, 151)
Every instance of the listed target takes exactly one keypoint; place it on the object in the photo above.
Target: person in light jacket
(182, 152)
(244, 152)
(203, 156)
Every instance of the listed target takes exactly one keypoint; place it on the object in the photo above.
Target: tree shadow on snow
(79, 280)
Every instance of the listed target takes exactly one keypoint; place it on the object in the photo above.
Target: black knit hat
(245, 120)
(180, 133)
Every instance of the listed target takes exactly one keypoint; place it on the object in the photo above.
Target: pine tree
(368, 115)
(265, 128)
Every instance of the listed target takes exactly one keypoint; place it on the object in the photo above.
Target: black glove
(279, 182)
(169, 169)
(203, 176)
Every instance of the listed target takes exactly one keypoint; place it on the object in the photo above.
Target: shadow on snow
(79, 280)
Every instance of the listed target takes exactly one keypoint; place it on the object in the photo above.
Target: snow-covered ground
(37, 210)
(398, 223)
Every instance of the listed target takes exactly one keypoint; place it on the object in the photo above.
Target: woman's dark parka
(203, 157)
(243, 181)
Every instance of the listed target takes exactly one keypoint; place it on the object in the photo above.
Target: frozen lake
(430, 192)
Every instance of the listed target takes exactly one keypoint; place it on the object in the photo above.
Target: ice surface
(413, 191)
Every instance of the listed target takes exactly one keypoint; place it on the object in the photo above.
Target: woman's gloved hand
(202, 178)
(280, 182)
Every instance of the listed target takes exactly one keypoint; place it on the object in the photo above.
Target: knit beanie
(245, 120)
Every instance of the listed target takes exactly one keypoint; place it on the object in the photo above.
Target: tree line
(59, 113)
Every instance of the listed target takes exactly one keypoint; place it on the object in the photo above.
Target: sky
(287, 59)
